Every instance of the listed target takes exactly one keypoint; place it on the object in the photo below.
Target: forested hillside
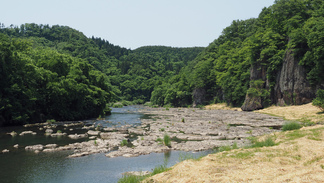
(276, 58)
(73, 77)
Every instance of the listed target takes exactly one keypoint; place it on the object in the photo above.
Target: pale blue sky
(135, 23)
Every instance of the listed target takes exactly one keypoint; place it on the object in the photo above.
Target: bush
(319, 100)
(291, 126)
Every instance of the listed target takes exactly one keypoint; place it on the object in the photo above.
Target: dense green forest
(222, 72)
(56, 72)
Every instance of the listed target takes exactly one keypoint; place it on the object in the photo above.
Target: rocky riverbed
(189, 129)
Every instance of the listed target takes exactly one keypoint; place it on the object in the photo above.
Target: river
(23, 166)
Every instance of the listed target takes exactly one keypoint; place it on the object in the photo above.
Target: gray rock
(78, 136)
(51, 146)
(5, 151)
(93, 133)
(27, 133)
(37, 147)
(58, 134)
(49, 131)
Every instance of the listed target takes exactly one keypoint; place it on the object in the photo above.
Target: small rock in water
(16, 146)
(27, 132)
(49, 131)
(5, 151)
(13, 133)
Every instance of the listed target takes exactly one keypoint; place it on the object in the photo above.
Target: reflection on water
(23, 166)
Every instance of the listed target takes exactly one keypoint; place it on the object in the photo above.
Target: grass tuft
(264, 143)
(291, 126)
(167, 140)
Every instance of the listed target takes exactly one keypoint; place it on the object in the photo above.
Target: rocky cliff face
(198, 96)
(291, 85)
(254, 102)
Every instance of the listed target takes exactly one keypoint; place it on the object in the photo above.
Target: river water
(28, 167)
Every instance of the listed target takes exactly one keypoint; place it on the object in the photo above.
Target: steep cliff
(291, 87)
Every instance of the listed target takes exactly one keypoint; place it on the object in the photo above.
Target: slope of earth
(298, 157)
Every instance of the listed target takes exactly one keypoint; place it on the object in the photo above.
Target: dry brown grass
(221, 106)
(300, 113)
(298, 158)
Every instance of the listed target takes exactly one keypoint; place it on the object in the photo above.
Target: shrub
(59, 131)
(291, 126)
(319, 100)
(167, 140)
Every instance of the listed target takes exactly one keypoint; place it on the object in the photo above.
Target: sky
(135, 23)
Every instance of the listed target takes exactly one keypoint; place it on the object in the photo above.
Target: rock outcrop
(254, 102)
(292, 86)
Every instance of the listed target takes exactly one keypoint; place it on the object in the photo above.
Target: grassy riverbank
(295, 156)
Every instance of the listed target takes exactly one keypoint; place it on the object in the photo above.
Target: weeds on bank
(263, 143)
(136, 179)
(124, 142)
(167, 140)
(291, 126)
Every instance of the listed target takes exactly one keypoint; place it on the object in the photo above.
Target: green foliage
(227, 148)
(291, 126)
(124, 142)
(319, 100)
(167, 140)
(118, 105)
(263, 143)
(131, 179)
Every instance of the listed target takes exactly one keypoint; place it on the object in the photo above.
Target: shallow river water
(28, 167)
